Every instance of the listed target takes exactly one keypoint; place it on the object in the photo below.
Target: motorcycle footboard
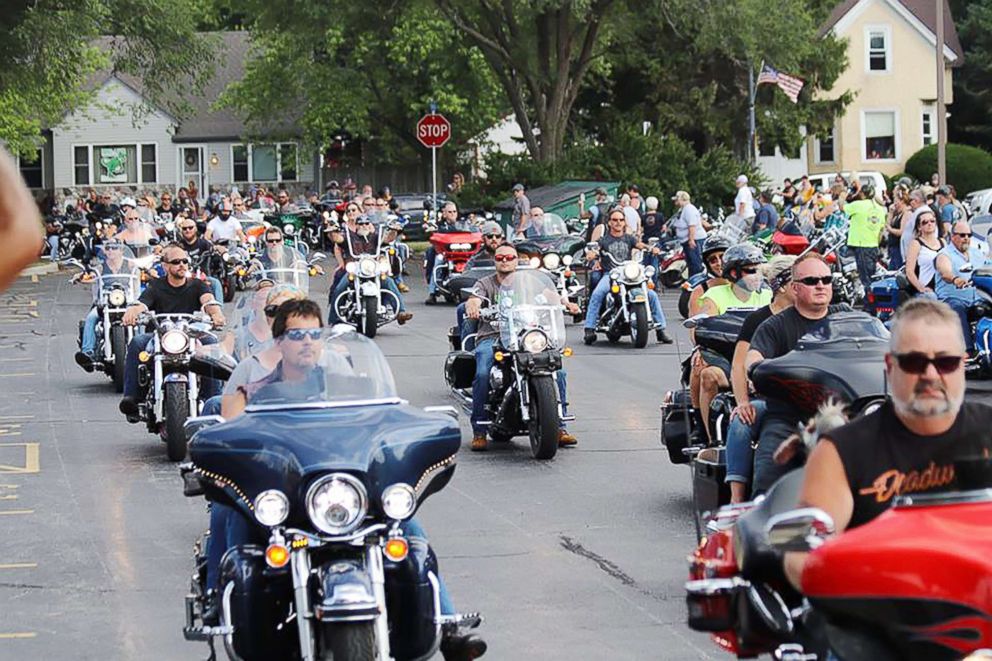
(410, 600)
(676, 423)
(709, 473)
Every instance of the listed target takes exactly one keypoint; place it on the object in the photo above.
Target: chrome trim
(759, 605)
(225, 614)
(319, 540)
(944, 498)
(354, 483)
(255, 408)
(446, 409)
(373, 556)
(300, 567)
(709, 587)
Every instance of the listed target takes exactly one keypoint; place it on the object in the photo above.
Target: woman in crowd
(922, 254)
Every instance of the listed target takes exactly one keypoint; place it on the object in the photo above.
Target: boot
(663, 337)
(462, 647)
(589, 337)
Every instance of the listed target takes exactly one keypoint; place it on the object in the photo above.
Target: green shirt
(867, 220)
(724, 298)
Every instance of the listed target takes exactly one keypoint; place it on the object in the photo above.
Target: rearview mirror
(799, 530)
(195, 424)
(694, 320)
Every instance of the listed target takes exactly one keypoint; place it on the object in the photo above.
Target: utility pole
(751, 152)
(941, 110)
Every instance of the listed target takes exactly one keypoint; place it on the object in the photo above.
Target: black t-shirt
(883, 459)
(168, 214)
(196, 249)
(615, 250)
(752, 322)
(652, 224)
(162, 298)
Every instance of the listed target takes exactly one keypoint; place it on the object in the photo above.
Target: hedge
(968, 168)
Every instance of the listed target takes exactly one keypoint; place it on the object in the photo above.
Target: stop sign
(433, 130)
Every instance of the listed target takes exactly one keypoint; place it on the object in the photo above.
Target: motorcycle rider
(714, 248)
(910, 443)
(492, 238)
(284, 204)
(449, 215)
(618, 244)
(114, 263)
(507, 260)
(135, 232)
(196, 246)
(167, 212)
(953, 285)
(176, 293)
(711, 371)
(365, 240)
(223, 227)
(778, 335)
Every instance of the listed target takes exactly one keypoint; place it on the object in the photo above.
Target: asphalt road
(581, 557)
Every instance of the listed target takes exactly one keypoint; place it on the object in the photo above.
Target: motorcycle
(74, 238)
(626, 310)
(673, 265)
(523, 390)
(364, 303)
(169, 372)
(454, 246)
(327, 475)
(116, 284)
(552, 248)
(298, 228)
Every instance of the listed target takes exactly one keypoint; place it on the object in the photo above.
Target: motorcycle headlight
(350, 267)
(368, 267)
(649, 271)
(535, 262)
(271, 507)
(174, 341)
(169, 226)
(116, 298)
(336, 503)
(288, 228)
(632, 271)
(552, 261)
(567, 260)
(399, 501)
(534, 341)
(226, 257)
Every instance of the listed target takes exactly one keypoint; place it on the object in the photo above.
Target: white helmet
(127, 202)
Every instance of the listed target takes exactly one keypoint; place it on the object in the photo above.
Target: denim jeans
(140, 342)
(896, 259)
(774, 429)
(866, 259)
(693, 258)
(53, 246)
(740, 436)
(429, 256)
(961, 307)
(484, 361)
(598, 297)
(217, 288)
(466, 327)
(89, 332)
(342, 285)
(211, 406)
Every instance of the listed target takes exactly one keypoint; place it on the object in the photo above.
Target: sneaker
(565, 439)
(589, 337)
(663, 337)
(128, 406)
(84, 360)
(462, 647)
(404, 317)
(479, 444)
(431, 300)
(403, 288)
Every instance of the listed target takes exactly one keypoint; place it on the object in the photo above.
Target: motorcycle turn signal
(396, 549)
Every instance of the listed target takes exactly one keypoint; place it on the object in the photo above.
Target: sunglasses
(928, 222)
(812, 280)
(713, 259)
(964, 235)
(270, 310)
(112, 248)
(272, 242)
(750, 271)
(177, 262)
(916, 362)
(504, 258)
(297, 334)
(188, 228)
(492, 236)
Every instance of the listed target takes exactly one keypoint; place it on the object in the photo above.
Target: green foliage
(968, 168)
(50, 50)
(971, 122)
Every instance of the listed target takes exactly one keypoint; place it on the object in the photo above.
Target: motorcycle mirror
(489, 215)
(447, 410)
(967, 268)
(799, 530)
(316, 257)
(694, 320)
(195, 424)
(592, 246)
(653, 241)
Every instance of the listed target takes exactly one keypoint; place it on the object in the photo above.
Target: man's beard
(929, 408)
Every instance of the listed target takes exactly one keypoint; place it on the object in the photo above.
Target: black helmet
(868, 191)
(741, 255)
(714, 243)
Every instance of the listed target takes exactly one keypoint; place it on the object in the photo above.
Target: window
(32, 170)
(928, 129)
(880, 136)
(877, 57)
(825, 148)
(766, 147)
(149, 167)
(81, 165)
(274, 162)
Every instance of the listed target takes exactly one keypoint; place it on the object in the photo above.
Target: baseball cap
(742, 179)
(944, 190)
(127, 202)
(681, 195)
(601, 191)
(517, 187)
(492, 227)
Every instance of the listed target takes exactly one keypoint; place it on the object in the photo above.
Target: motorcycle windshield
(845, 327)
(548, 225)
(459, 226)
(284, 265)
(144, 255)
(327, 371)
(529, 300)
(117, 270)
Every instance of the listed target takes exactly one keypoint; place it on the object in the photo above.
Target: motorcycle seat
(757, 560)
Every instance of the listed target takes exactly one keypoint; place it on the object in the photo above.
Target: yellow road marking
(15, 512)
(32, 459)
(8, 429)
(18, 374)
(34, 277)
(8, 636)
(17, 417)
(8, 497)
(20, 565)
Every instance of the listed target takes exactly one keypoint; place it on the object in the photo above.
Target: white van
(823, 182)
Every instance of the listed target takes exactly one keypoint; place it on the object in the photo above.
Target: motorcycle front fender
(369, 288)
(344, 593)
(173, 377)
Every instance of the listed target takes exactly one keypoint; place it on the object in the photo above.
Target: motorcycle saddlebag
(258, 603)
(709, 470)
(459, 369)
(410, 602)
(676, 421)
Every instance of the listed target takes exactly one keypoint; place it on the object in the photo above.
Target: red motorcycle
(454, 245)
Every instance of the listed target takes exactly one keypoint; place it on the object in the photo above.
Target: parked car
(413, 207)
(979, 202)
(824, 181)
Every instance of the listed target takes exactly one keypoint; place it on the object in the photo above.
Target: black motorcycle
(523, 390)
(329, 471)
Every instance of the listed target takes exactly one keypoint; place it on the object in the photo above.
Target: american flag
(788, 84)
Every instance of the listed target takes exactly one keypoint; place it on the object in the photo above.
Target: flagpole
(751, 152)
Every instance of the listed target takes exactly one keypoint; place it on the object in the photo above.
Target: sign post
(433, 131)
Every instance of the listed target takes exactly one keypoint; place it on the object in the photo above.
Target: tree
(51, 50)
(971, 121)
(968, 168)
(369, 71)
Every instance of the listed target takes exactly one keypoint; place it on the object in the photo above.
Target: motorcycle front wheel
(118, 345)
(639, 324)
(370, 321)
(175, 409)
(347, 641)
(543, 425)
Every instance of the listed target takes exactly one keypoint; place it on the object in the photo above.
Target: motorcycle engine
(496, 379)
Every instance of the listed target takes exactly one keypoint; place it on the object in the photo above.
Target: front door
(192, 168)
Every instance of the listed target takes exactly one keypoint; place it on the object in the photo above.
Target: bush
(968, 168)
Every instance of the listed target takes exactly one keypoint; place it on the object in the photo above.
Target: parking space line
(15, 512)
(19, 565)
(15, 374)
(32, 459)
(25, 634)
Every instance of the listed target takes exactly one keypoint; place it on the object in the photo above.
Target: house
(503, 137)
(123, 142)
(892, 71)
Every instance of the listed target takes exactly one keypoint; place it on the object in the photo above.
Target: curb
(40, 268)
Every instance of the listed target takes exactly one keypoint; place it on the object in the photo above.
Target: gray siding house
(124, 143)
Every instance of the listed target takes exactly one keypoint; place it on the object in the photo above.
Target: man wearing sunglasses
(910, 444)
(955, 263)
(176, 293)
(492, 238)
(812, 289)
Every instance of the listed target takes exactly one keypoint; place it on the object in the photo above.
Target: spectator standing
(630, 215)
(867, 221)
(899, 212)
(946, 211)
(744, 202)
(767, 216)
(689, 231)
(521, 208)
(596, 213)
(917, 205)
(788, 193)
